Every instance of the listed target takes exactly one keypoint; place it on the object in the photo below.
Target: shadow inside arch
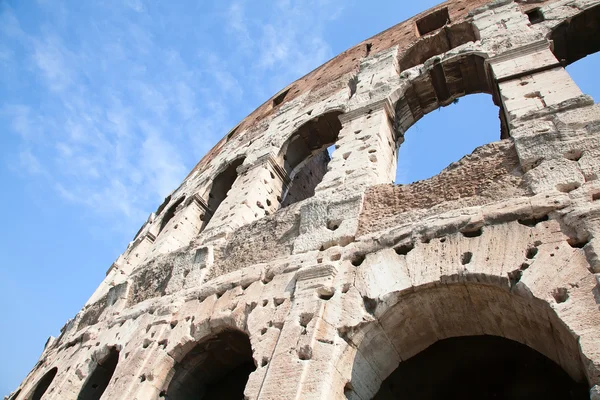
(217, 367)
(478, 341)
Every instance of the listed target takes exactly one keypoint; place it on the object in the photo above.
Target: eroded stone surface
(315, 277)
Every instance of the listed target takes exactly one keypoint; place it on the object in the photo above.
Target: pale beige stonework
(336, 290)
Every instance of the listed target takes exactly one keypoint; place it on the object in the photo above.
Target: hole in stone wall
(560, 294)
(576, 243)
(98, 381)
(439, 141)
(433, 21)
(43, 384)
(531, 252)
(220, 187)
(531, 222)
(217, 368)
(466, 258)
(535, 16)
(358, 259)
(231, 133)
(404, 249)
(277, 100)
(480, 367)
(306, 156)
(472, 233)
(370, 304)
(333, 225)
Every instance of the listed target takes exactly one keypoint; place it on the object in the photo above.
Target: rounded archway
(305, 156)
(436, 335)
(216, 368)
(479, 368)
(98, 380)
(43, 384)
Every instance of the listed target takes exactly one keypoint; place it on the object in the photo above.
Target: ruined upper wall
(324, 80)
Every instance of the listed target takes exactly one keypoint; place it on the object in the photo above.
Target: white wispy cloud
(122, 112)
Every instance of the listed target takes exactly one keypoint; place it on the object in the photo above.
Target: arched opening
(443, 40)
(576, 44)
(486, 326)
(455, 125)
(306, 156)
(216, 368)
(98, 381)
(43, 384)
(445, 136)
(219, 189)
(577, 37)
(480, 367)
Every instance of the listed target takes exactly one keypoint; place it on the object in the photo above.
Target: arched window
(98, 380)
(480, 367)
(217, 368)
(465, 341)
(577, 37)
(43, 384)
(220, 187)
(576, 44)
(445, 114)
(305, 156)
(446, 135)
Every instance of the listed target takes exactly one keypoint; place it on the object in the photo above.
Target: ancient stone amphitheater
(278, 272)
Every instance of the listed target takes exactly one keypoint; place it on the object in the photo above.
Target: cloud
(29, 163)
(117, 107)
(54, 61)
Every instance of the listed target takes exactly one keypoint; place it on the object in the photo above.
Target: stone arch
(43, 384)
(577, 37)
(170, 213)
(411, 321)
(219, 188)
(217, 367)
(437, 42)
(304, 156)
(440, 84)
(98, 380)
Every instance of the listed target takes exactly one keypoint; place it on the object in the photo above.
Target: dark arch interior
(444, 40)
(577, 37)
(170, 213)
(306, 156)
(220, 186)
(99, 379)
(480, 367)
(217, 368)
(44, 384)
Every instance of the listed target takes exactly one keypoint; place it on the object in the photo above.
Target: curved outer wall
(336, 289)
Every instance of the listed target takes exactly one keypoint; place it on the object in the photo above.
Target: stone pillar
(365, 151)
(255, 193)
(365, 155)
(301, 366)
(183, 227)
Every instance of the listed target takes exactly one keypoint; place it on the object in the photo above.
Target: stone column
(255, 193)
(365, 155)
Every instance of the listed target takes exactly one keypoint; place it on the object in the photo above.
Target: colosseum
(277, 271)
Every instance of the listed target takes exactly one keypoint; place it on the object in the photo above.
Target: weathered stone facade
(279, 273)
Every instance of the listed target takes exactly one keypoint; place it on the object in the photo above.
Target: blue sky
(106, 105)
